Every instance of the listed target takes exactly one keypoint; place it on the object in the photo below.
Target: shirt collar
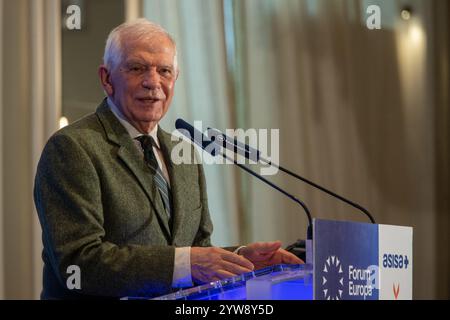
(134, 133)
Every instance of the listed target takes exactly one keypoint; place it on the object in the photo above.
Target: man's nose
(151, 79)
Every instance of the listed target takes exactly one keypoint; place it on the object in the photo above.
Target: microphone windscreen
(195, 136)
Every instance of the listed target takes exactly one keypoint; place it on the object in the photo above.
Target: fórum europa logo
(333, 279)
(361, 282)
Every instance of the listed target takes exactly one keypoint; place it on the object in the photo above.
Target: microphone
(233, 144)
(212, 147)
(196, 136)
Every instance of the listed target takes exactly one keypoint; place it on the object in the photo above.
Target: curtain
(202, 94)
(355, 108)
(355, 111)
(30, 104)
(441, 83)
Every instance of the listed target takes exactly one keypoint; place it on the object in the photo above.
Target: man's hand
(264, 254)
(212, 264)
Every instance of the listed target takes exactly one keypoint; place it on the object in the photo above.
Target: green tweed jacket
(100, 210)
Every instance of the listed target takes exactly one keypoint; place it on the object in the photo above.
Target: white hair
(136, 29)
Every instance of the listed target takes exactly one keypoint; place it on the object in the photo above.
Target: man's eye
(136, 68)
(166, 71)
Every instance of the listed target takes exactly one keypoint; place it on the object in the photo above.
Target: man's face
(142, 84)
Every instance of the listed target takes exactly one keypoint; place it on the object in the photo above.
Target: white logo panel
(395, 262)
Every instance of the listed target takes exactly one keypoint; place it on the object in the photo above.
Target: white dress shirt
(182, 269)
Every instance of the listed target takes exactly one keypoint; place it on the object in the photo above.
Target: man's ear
(105, 79)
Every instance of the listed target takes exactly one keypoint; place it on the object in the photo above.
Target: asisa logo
(395, 261)
(332, 279)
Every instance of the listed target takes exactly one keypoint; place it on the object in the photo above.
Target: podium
(345, 261)
(280, 282)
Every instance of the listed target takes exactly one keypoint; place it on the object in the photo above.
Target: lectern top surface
(228, 285)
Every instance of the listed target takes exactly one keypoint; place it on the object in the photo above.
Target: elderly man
(112, 202)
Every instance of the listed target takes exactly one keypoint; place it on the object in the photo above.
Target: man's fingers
(290, 258)
(212, 264)
(235, 268)
(239, 260)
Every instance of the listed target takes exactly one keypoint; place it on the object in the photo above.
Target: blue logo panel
(345, 260)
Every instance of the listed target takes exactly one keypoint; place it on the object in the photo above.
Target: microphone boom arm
(351, 203)
(254, 154)
(290, 196)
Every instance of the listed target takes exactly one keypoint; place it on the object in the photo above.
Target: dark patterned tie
(147, 144)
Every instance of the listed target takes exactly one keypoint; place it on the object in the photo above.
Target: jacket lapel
(132, 158)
